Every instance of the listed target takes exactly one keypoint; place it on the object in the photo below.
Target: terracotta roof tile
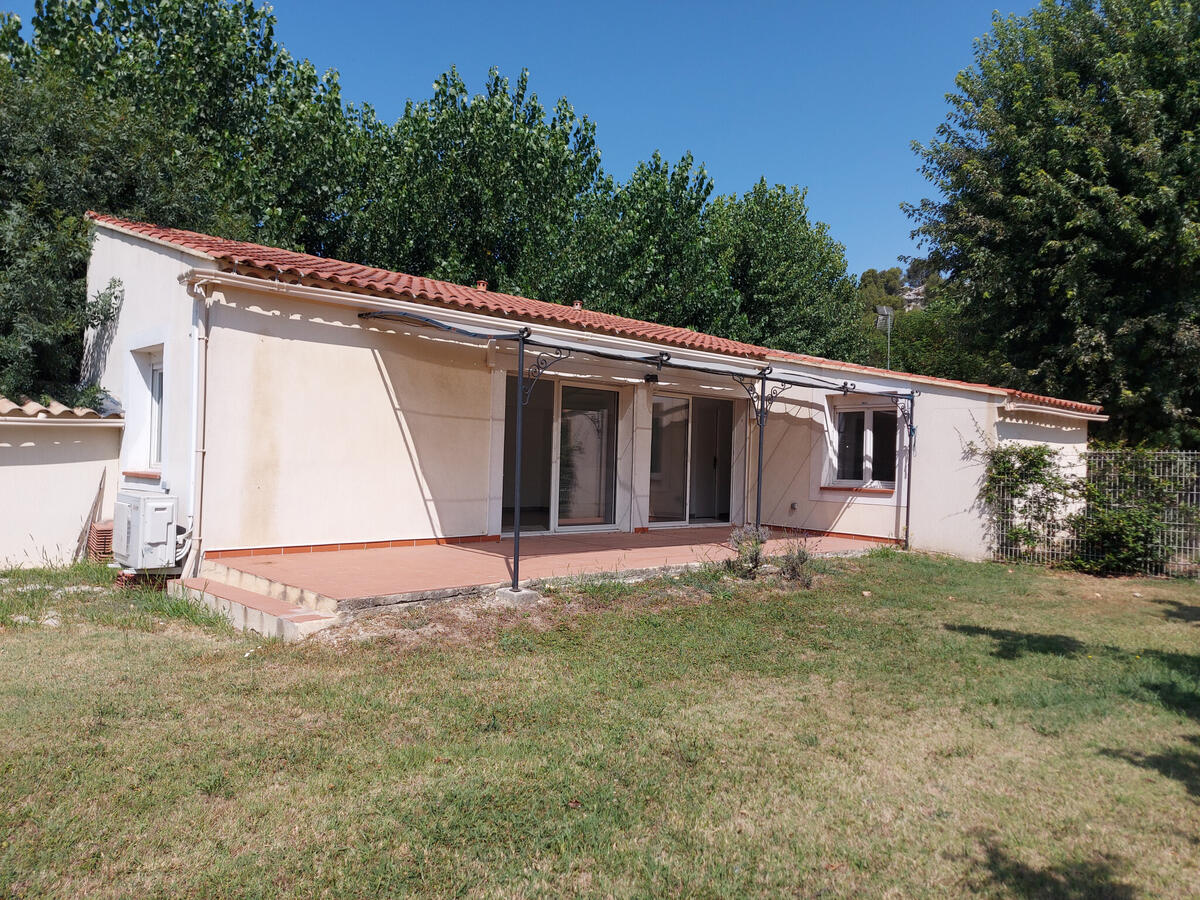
(1074, 405)
(30, 409)
(352, 276)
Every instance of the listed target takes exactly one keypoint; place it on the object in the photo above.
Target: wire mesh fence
(1135, 511)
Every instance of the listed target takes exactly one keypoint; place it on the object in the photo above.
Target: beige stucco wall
(157, 317)
(322, 431)
(945, 478)
(946, 517)
(50, 475)
(797, 454)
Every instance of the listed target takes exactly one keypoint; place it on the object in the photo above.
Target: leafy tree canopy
(1068, 215)
(788, 275)
(64, 149)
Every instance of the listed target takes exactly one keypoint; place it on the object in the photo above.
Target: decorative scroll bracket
(545, 359)
(904, 408)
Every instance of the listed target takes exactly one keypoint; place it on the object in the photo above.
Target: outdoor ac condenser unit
(144, 531)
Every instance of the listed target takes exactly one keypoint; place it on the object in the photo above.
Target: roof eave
(1046, 409)
(96, 222)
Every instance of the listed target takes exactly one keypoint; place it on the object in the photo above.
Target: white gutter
(782, 363)
(63, 423)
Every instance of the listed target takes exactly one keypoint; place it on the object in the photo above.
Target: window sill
(859, 489)
(148, 474)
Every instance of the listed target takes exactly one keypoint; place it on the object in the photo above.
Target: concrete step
(251, 611)
(215, 570)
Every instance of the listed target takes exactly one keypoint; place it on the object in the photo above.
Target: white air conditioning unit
(144, 532)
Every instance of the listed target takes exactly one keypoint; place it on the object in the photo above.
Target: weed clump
(748, 541)
(793, 564)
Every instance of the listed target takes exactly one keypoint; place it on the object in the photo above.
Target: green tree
(648, 239)
(1068, 215)
(786, 274)
(881, 287)
(190, 113)
(485, 186)
(276, 130)
(62, 150)
(187, 113)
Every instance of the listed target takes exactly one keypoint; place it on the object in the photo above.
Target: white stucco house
(290, 403)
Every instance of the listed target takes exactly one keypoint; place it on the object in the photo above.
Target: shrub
(748, 541)
(1121, 529)
(793, 564)
(1119, 541)
(1114, 520)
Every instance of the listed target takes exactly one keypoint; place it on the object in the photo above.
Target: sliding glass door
(691, 444)
(587, 457)
(536, 454)
(669, 428)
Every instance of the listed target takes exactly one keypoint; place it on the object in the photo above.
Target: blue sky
(824, 95)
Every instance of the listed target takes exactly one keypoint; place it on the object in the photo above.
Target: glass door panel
(587, 469)
(712, 446)
(669, 459)
(536, 454)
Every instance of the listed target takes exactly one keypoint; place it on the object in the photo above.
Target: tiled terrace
(355, 574)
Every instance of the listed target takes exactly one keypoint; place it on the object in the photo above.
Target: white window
(156, 410)
(865, 454)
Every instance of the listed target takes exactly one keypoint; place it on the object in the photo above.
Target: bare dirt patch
(478, 621)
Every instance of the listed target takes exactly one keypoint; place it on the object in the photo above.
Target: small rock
(51, 619)
(78, 589)
(768, 569)
(866, 593)
(22, 620)
(1136, 594)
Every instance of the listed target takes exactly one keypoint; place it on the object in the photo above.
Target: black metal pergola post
(762, 428)
(524, 394)
(516, 568)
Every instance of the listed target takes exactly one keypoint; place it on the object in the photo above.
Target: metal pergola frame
(753, 380)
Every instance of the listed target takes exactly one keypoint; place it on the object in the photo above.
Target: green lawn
(965, 728)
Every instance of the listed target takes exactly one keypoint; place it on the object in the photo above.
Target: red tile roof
(331, 272)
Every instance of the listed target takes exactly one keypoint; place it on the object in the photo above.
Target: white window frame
(868, 479)
(156, 414)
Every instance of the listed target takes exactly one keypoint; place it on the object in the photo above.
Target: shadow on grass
(1090, 878)
(1181, 764)
(1015, 644)
(1179, 612)
(1171, 680)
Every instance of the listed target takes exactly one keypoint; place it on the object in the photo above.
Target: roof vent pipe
(481, 284)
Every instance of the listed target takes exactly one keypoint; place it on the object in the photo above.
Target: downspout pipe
(191, 566)
(912, 436)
